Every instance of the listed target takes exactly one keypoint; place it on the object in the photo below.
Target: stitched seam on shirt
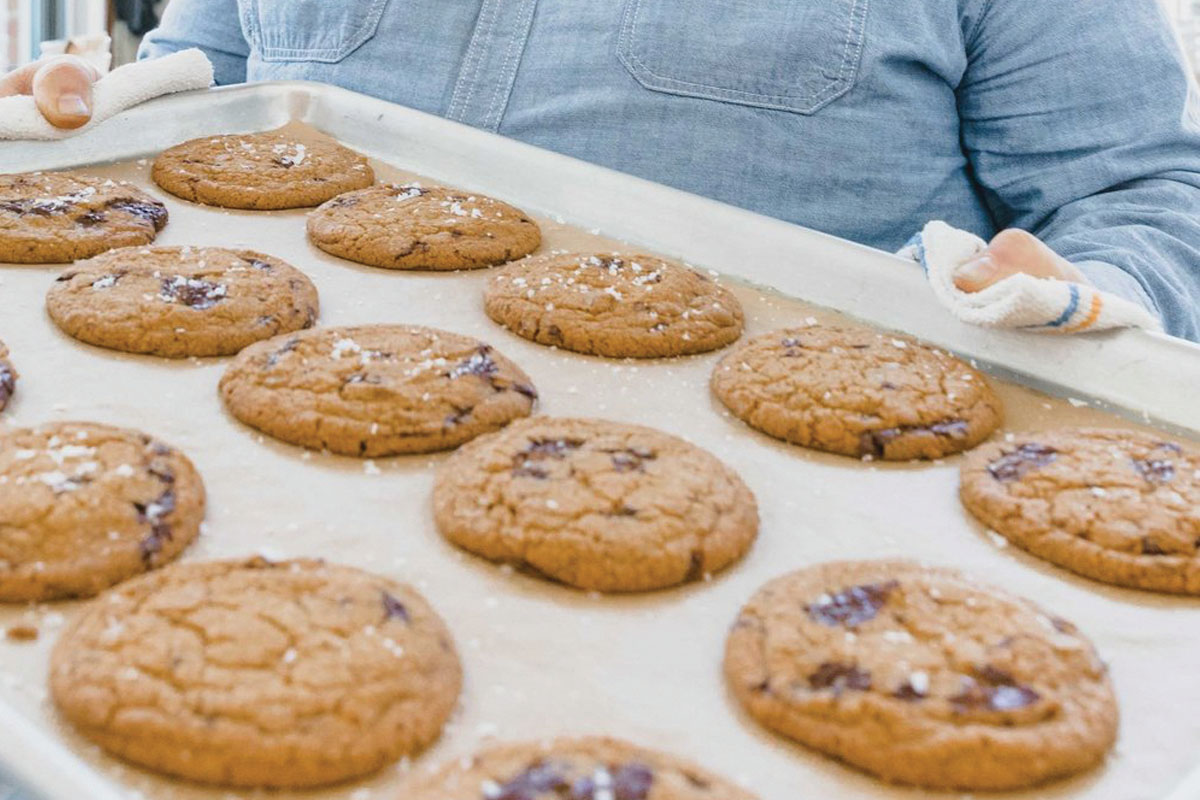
(984, 7)
(482, 30)
(814, 96)
(349, 44)
(504, 87)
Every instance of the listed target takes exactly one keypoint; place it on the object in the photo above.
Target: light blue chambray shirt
(861, 118)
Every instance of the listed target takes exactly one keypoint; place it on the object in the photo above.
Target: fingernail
(72, 105)
(979, 270)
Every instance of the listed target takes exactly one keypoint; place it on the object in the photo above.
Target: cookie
(375, 390)
(260, 171)
(585, 768)
(921, 676)
(1114, 505)
(614, 304)
(258, 673)
(181, 301)
(595, 504)
(84, 506)
(57, 217)
(857, 393)
(8, 377)
(411, 226)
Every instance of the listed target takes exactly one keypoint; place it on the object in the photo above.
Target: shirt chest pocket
(792, 55)
(309, 30)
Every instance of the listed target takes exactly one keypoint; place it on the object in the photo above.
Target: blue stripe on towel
(1072, 306)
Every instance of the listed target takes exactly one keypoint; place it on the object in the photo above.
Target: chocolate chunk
(873, 443)
(478, 363)
(992, 689)
(1151, 548)
(853, 606)
(405, 192)
(393, 608)
(91, 219)
(1154, 470)
(839, 677)
(908, 692)
(152, 544)
(525, 462)
(259, 264)
(534, 783)
(288, 347)
(8, 384)
(610, 263)
(631, 459)
(192, 292)
(1017, 463)
(154, 213)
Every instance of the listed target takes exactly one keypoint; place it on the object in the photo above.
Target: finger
(1011, 252)
(62, 89)
(980, 273)
(19, 81)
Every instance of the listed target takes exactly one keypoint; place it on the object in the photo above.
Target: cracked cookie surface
(410, 226)
(920, 676)
(857, 393)
(594, 504)
(58, 217)
(181, 301)
(1113, 505)
(84, 506)
(258, 673)
(614, 304)
(583, 768)
(8, 377)
(375, 390)
(260, 171)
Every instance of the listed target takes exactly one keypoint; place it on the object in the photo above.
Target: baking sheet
(540, 659)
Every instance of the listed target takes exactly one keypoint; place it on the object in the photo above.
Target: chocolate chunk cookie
(858, 393)
(257, 673)
(1115, 505)
(614, 304)
(181, 301)
(921, 676)
(57, 217)
(260, 171)
(8, 377)
(84, 506)
(411, 226)
(595, 504)
(375, 390)
(588, 768)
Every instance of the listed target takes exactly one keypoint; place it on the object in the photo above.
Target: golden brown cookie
(8, 377)
(614, 304)
(595, 504)
(411, 226)
(585, 768)
(258, 673)
(181, 301)
(84, 506)
(1115, 505)
(921, 676)
(56, 217)
(260, 171)
(857, 392)
(375, 390)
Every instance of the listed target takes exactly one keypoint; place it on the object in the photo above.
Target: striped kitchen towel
(1041, 305)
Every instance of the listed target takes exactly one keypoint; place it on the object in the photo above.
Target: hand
(61, 86)
(1013, 251)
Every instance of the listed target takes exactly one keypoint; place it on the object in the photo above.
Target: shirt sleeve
(212, 25)
(1082, 125)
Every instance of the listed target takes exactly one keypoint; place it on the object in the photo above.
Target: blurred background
(25, 24)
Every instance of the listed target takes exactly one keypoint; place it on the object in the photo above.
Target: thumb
(62, 89)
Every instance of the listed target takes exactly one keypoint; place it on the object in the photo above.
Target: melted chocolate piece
(409, 191)
(393, 608)
(1155, 470)
(8, 384)
(525, 462)
(993, 689)
(91, 219)
(478, 363)
(259, 264)
(873, 443)
(908, 692)
(632, 782)
(192, 292)
(288, 347)
(853, 606)
(154, 213)
(153, 514)
(1025, 459)
(541, 780)
(839, 677)
(631, 459)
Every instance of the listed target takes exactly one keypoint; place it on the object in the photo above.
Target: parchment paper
(541, 659)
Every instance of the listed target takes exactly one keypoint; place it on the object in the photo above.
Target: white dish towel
(122, 88)
(1019, 301)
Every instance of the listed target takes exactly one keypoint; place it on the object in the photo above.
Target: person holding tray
(1067, 133)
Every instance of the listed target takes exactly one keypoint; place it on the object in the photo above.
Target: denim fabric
(861, 118)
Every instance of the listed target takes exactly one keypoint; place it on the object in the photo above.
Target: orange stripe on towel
(1093, 314)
